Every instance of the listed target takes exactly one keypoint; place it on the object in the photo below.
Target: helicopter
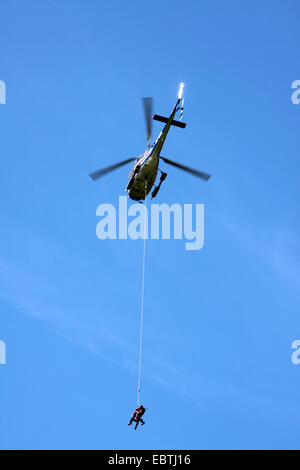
(144, 171)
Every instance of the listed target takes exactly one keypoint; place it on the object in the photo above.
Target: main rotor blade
(148, 111)
(97, 174)
(200, 174)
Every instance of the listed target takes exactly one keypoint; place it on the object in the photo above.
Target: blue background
(219, 323)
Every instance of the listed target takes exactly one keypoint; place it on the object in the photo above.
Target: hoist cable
(142, 302)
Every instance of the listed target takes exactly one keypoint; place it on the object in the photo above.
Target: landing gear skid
(162, 178)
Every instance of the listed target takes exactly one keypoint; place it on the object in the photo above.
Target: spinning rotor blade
(200, 174)
(148, 110)
(97, 174)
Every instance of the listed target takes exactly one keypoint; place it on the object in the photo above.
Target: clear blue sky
(219, 322)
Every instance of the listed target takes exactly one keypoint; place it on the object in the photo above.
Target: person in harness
(137, 416)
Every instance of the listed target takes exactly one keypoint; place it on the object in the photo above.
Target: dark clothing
(137, 416)
(140, 410)
(134, 417)
(131, 421)
(140, 420)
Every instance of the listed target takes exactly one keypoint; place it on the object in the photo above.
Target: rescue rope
(142, 303)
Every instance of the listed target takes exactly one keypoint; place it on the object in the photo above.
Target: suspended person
(137, 416)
